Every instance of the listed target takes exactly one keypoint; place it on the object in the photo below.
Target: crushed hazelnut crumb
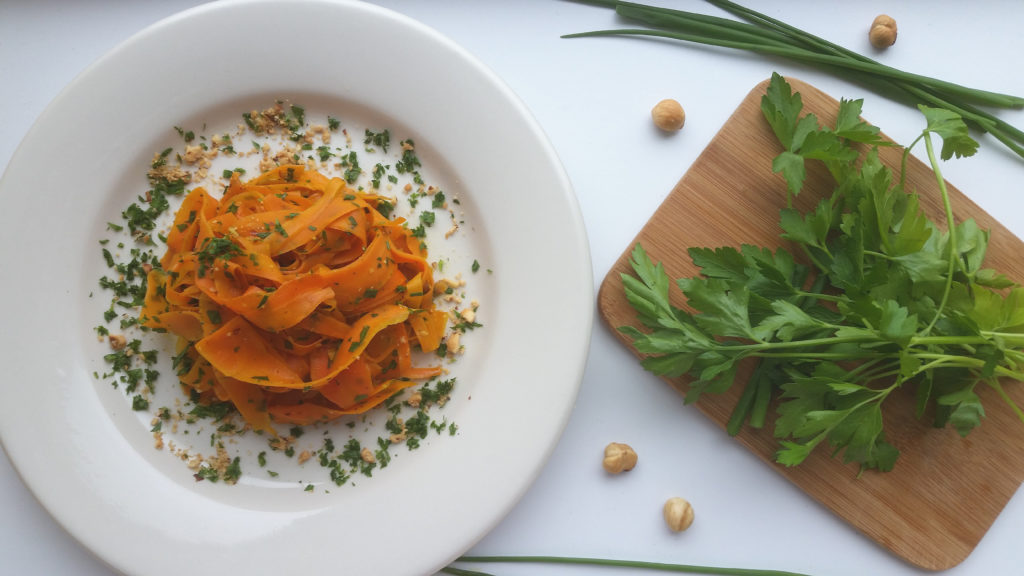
(196, 156)
(318, 130)
(170, 173)
(415, 399)
(452, 343)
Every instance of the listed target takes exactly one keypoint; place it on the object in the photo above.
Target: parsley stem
(951, 225)
(752, 406)
(663, 567)
(809, 343)
(961, 340)
(838, 298)
(906, 157)
(1006, 398)
(929, 366)
(762, 402)
(966, 362)
(855, 355)
(868, 371)
(824, 268)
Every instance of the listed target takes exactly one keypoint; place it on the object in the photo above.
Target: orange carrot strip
(311, 221)
(305, 414)
(183, 233)
(292, 175)
(428, 326)
(391, 292)
(351, 386)
(384, 392)
(363, 331)
(283, 308)
(405, 367)
(368, 273)
(326, 324)
(239, 351)
(250, 401)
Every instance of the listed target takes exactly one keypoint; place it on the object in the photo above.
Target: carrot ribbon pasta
(294, 298)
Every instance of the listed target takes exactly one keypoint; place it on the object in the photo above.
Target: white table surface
(593, 97)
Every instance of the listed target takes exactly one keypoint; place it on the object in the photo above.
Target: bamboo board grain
(945, 491)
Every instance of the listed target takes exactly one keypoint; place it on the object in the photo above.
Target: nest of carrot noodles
(294, 298)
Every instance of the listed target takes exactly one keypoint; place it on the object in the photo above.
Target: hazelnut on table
(678, 514)
(619, 458)
(668, 115)
(883, 32)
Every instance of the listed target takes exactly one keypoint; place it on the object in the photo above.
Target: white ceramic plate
(90, 459)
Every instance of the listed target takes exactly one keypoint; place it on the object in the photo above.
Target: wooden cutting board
(945, 491)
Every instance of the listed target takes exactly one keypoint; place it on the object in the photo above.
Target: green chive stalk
(610, 563)
(763, 34)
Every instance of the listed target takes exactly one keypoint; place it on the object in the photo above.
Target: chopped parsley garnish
(214, 411)
(350, 162)
(357, 343)
(378, 172)
(216, 249)
(379, 139)
(186, 135)
(247, 116)
(207, 473)
(385, 208)
(280, 229)
(409, 162)
(299, 114)
(233, 472)
(161, 158)
(139, 402)
(464, 326)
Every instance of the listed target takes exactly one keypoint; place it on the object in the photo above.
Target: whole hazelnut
(668, 115)
(883, 32)
(678, 514)
(619, 458)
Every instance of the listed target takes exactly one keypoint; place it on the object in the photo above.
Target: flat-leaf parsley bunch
(886, 299)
